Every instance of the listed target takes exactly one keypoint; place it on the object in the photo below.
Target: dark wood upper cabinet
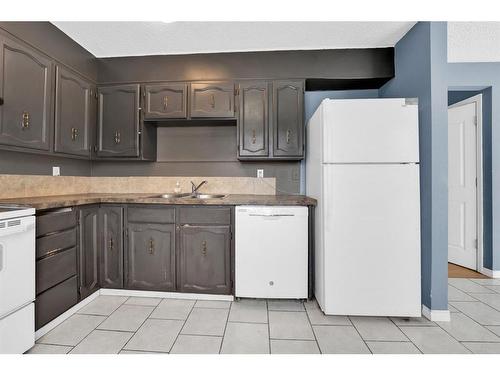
(204, 259)
(253, 119)
(165, 101)
(74, 115)
(111, 246)
(151, 256)
(212, 99)
(118, 125)
(88, 250)
(25, 90)
(288, 119)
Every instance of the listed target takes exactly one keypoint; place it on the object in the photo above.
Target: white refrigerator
(362, 165)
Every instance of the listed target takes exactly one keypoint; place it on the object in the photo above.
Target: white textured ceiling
(473, 41)
(111, 39)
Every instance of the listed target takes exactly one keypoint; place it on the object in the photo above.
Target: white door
(462, 189)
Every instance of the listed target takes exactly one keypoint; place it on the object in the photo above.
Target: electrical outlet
(260, 173)
(56, 171)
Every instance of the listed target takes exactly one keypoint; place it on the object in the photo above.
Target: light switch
(260, 173)
(56, 171)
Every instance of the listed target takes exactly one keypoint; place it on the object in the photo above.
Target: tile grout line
(225, 327)
(405, 335)
(79, 342)
(361, 337)
(312, 329)
(137, 330)
(182, 327)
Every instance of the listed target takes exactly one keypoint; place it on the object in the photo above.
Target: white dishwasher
(271, 252)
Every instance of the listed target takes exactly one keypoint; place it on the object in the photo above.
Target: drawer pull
(111, 244)
(212, 101)
(52, 252)
(151, 246)
(117, 137)
(204, 248)
(288, 136)
(165, 102)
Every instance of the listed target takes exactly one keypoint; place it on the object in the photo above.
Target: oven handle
(1, 257)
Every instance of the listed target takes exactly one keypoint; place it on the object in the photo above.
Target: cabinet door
(288, 119)
(151, 256)
(204, 259)
(118, 121)
(73, 113)
(165, 101)
(253, 119)
(111, 249)
(25, 89)
(212, 99)
(88, 250)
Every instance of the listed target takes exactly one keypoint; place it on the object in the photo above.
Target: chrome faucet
(195, 188)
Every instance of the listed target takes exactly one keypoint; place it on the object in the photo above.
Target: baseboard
(153, 294)
(490, 273)
(436, 315)
(65, 315)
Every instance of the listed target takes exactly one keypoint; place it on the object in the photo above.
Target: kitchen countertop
(57, 201)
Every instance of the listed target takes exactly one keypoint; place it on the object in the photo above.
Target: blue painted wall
(483, 77)
(413, 78)
(312, 100)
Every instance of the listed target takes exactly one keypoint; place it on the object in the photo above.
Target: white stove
(17, 278)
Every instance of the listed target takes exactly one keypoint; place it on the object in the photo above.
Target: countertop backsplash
(20, 186)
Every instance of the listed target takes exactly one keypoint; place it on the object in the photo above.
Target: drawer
(53, 269)
(205, 215)
(54, 301)
(55, 221)
(55, 242)
(151, 214)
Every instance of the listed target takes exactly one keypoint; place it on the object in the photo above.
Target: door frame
(478, 101)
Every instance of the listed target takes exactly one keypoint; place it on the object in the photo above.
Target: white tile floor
(135, 325)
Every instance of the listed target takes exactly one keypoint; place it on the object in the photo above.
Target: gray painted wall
(12, 162)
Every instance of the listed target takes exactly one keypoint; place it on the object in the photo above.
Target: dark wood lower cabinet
(204, 264)
(88, 250)
(151, 256)
(111, 246)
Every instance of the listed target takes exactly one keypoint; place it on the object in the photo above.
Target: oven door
(17, 264)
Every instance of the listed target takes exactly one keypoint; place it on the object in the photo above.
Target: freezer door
(370, 131)
(372, 240)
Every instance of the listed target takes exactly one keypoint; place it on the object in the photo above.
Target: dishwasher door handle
(272, 215)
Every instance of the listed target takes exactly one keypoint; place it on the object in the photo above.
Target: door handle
(74, 134)
(26, 120)
(212, 101)
(151, 246)
(165, 102)
(111, 244)
(117, 137)
(288, 136)
(254, 138)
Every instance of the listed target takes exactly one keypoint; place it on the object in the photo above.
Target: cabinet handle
(212, 101)
(151, 246)
(288, 136)
(254, 138)
(204, 248)
(111, 244)
(26, 120)
(165, 102)
(1, 101)
(74, 134)
(117, 137)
